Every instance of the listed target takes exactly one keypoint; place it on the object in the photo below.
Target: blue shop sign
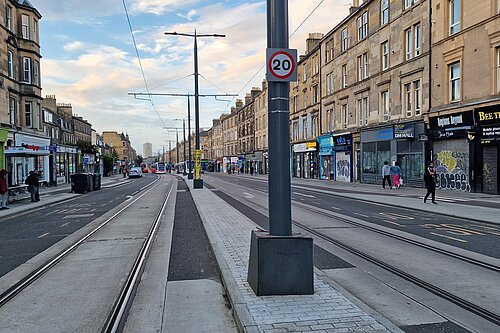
(325, 145)
(385, 134)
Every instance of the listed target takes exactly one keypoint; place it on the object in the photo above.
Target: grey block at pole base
(281, 263)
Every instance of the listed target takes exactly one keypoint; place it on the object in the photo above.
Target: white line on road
(248, 195)
(304, 195)
(64, 225)
(449, 237)
(336, 208)
(43, 235)
(363, 215)
(74, 216)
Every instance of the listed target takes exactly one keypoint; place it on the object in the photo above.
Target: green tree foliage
(139, 159)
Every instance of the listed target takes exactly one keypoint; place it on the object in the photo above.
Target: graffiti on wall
(452, 171)
(343, 167)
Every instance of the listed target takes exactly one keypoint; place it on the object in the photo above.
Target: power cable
(293, 33)
(140, 63)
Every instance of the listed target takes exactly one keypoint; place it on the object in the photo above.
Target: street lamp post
(197, 182)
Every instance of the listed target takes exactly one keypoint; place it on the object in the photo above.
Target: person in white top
(386, 175)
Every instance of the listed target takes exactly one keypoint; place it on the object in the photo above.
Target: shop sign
(404, 131)
(325, 142)
(488, 119)
(343, 140)
(304, 147)
(451, 126)
(234, 159)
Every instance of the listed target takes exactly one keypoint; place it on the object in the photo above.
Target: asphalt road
(25, 235)
(470, 235)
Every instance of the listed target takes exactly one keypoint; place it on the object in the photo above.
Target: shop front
(28, 153)
(488, 147)
(336, 157)
(451, 151)
(66, 163)
(305, 160)
(399, 143)
(255, 162)
(3, 142)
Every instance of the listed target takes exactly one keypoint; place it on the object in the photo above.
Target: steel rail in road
(469, 306)
(114, 321)
(37, 273)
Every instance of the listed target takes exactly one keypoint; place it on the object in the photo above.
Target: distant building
(147, 150)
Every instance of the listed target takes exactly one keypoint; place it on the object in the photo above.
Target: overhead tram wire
(140, 63)
(291, 35)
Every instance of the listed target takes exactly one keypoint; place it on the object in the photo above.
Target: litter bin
(81, 183)
(96, 177)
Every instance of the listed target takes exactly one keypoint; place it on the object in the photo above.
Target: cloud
(159, 7)
(74, 46)
(189, 16)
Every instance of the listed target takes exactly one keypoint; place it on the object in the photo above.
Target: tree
(86, 147)
(139, 159)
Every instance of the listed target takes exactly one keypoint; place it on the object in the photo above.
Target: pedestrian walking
(33, 184)
(430, 183)
(395, 175)
(4, 190)
(386, 175)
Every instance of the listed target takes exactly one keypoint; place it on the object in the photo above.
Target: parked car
(135, 173)
(145, 170)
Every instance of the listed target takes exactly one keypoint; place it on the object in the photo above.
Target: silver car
(135, 173)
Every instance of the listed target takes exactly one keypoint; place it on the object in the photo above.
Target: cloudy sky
(89, 59)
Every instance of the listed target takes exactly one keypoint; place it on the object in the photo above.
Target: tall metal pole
(177, 146)
(280, 216)
(196, 95)
(184, 145)
(190, 171)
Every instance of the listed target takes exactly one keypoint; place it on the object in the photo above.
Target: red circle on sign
(271, 70)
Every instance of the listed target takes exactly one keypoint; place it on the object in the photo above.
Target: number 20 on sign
(281, 65)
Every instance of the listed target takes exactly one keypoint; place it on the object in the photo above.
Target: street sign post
(281, 65)
(197, 164)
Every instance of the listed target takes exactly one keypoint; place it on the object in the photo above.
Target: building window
(363, 26)
(26, 70)
(329, 120)
(304, 73)
(25, 19)
(417, 95)
(498, 69)
(408, 99)
(10, 64)
(304, 99)
(329, 51)
(36, 73)
(454, 16)
(385, 55)
(35, 30)
(315, 129)
(413, 41)
(384, 104)
(362, 106)
(8, 15)
(295, 105)
(384, 12)
(12, 110)
(28, 114)
(362, 66)
(315, 65)
(329, 83)
(344, 40)
(417, 33)
(345, 115)
(344, 75)
(454, 70)
(315, 94)
(304, 128)
(409, 3)
(295, 131)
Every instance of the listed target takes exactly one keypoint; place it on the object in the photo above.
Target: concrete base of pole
(184, 173)
(197, 183)
(281, 265)
(190, 176)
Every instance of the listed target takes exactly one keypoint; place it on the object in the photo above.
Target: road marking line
(64, 225)
(396, 216)
(45, 234)
(363, 215)
(77, 216)
(248, 195)
(392, 222)
(452, 238)
(336, 208)
(304, 195)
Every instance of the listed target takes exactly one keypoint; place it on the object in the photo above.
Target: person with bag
(395, 174)
(4, 190)
(386, 175)
(430, 183)
(32, 182)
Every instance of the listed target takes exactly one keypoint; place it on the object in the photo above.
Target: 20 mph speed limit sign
(281, 65)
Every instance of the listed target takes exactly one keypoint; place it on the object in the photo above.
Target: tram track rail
(115, 318)
(462, 303)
